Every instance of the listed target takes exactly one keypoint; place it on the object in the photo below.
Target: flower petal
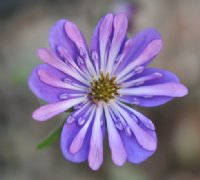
(77, 142)
(75, 35)
(48, 57)
(120, 25)
(59, 38)
(105, 31)
(50, 110)
(149, 101)
(115, 142)
(165, 89)
(140, 142)
(95, 156)
(139, 51)
(44, 91)
(70, 133)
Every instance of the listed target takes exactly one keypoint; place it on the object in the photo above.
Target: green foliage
(51, 138)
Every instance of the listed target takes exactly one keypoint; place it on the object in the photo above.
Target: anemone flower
(101, 84)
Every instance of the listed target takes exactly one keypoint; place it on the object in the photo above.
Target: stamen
(103, 89)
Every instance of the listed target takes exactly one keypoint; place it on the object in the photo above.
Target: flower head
(101, 84)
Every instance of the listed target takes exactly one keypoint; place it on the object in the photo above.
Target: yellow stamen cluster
(103, 89)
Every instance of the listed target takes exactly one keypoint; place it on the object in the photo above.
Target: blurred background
(24, 27)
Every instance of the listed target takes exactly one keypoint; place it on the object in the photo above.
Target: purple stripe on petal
(136, 46)
(120, 24)
(148, 53)
(153, 100)
(105, 31)
(115, 142)
(50, 110)
(165, 89)
(48, 57)
(135, 153)
(142, 135)
(59, 38)
(75, 35)
(77, 142)
(44, 91)
(137, 145)
(50, 79)
(95, 156)
(69, 133)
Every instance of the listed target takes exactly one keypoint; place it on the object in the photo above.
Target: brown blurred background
(24, 27)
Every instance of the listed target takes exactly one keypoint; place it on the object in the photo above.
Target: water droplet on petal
(70, 119)
(157, 74)
(119, 126)
(81, 121)
(67, 81)
(128, 131)
(80, 61)
(148, 96)
(94, 55)
(139, 69)
(136, 101)
(82, 52)
(64, 96)
(78, 106)
(138, 83)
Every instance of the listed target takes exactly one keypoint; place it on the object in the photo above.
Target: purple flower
(101, 84)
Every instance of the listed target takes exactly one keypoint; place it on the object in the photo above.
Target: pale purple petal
(105, 31)
(165, 89)
(52, 80)
(119, 35)
(78, 140)
(136, 46)
(115, 141)
(44, 91)
(75, 35)
(95, 157)
(59, 38)
(71, 130)
(50, 110)
(146, 140)
(48, 57)
(149, 101)
(140, 141)
(148, 53)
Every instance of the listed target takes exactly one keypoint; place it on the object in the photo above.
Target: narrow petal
(50, 79)
(140, 117)
(77, 142)
(49, 58)
(70, 131)
(165, 89)
(95, 156)
(105, 31)
(115, 142)
(143, 47)
(50, 110)
(75, 35)
(59, 38)
(142, 136)
(119, 35)
(45, 91)
(148, 53)
(149, 101)
(139, 141)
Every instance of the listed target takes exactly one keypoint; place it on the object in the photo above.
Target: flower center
(104, 88)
